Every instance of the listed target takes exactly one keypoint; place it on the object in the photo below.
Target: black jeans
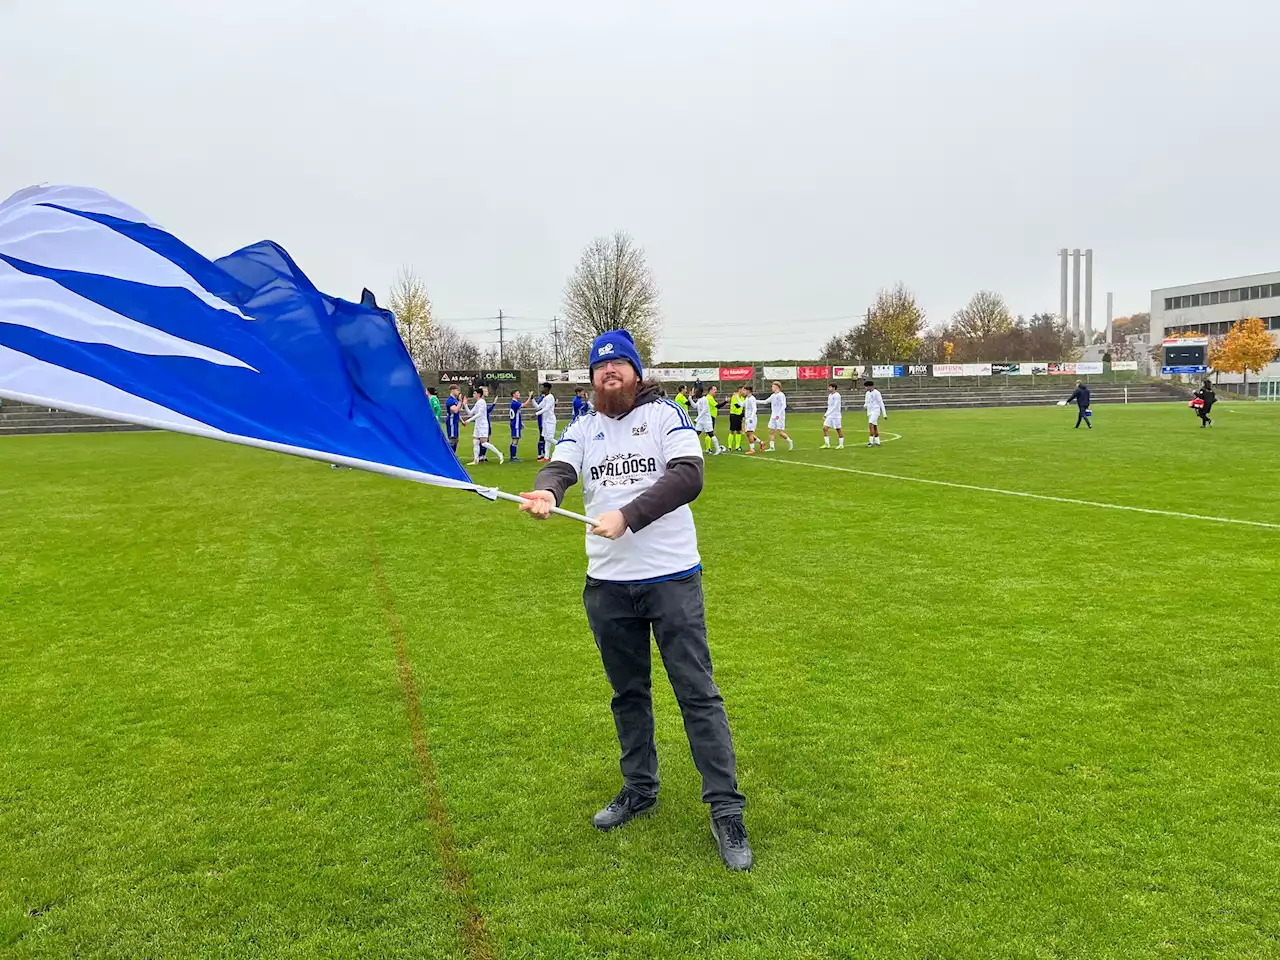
(1081, 418)
(621, 616)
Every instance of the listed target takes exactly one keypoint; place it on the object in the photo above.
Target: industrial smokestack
(1088, 296)
(1062, 255)
(1075, 292)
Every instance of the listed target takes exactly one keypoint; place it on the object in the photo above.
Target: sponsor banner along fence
(779, 373)
(564, 376)
(668, 374)
(847, 371)
(479, 376)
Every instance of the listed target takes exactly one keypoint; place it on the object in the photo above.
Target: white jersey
(617, 461)
(545, 409)
(874, 403)
(479, 418)
(833, 417)
(702, 414)
(749, 413)
(777, 411)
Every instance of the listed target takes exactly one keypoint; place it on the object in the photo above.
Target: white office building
(1212, 307)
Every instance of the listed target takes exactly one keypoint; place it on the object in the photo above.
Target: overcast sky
(779, 161)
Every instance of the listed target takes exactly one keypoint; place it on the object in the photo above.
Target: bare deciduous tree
(983, 318)
(612, 289)
(527, 352)
(412, 309)
(447, 349)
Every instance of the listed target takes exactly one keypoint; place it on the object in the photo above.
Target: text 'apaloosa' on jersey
(623, 469)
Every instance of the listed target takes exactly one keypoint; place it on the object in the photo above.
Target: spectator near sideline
(1207, 398)
(1080, 397)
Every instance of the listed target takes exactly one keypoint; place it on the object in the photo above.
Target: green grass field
(253, 707)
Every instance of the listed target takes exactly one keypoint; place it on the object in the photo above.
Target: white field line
(1018, 493)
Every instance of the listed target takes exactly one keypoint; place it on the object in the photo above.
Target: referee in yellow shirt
(737, 403)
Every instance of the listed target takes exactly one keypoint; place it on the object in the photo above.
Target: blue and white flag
(103, 312)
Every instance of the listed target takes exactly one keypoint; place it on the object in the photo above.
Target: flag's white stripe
(63, 241)
(197, 429)
(77, 198)
(42, 304)
(1029, 496)
(21, 375)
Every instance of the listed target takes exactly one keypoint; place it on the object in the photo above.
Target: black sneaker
(731, 838)
(624, 807)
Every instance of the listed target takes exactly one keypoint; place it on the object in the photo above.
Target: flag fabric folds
(103, 312)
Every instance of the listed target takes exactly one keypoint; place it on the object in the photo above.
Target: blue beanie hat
(615, 345)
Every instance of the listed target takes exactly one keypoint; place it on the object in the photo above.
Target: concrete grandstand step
(24, 419)
(102, 426)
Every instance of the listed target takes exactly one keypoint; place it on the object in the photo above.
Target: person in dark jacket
(1207, 398)
(1080, 397)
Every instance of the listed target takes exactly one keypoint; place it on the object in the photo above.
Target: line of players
(743, 417)
(700, 406)
(481, 416)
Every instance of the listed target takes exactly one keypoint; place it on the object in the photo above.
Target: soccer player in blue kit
(581, 405)
(453, 417)
(517, 423)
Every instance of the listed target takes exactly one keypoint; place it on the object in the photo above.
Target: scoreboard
(1185, 355)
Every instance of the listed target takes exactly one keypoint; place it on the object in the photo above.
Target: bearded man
(640, 464)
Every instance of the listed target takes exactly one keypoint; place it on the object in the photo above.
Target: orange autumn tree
(1247, 346)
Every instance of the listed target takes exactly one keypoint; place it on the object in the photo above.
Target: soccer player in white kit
(545, 410)
(479, 420)
(749, 420)
(778, 417)
(703, 423)
(832, 421)
(875, 410)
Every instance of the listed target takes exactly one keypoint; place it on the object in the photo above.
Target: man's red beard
(616, 403)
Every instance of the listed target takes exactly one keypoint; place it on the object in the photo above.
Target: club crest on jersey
(641, 430)
(605, 350)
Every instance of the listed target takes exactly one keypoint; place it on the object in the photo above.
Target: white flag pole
(209, 433)
(499, 495)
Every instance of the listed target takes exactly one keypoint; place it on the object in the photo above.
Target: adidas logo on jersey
(599, 436)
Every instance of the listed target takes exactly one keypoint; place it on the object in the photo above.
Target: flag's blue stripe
(332, 376)
(204, 271)
(235, 400)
